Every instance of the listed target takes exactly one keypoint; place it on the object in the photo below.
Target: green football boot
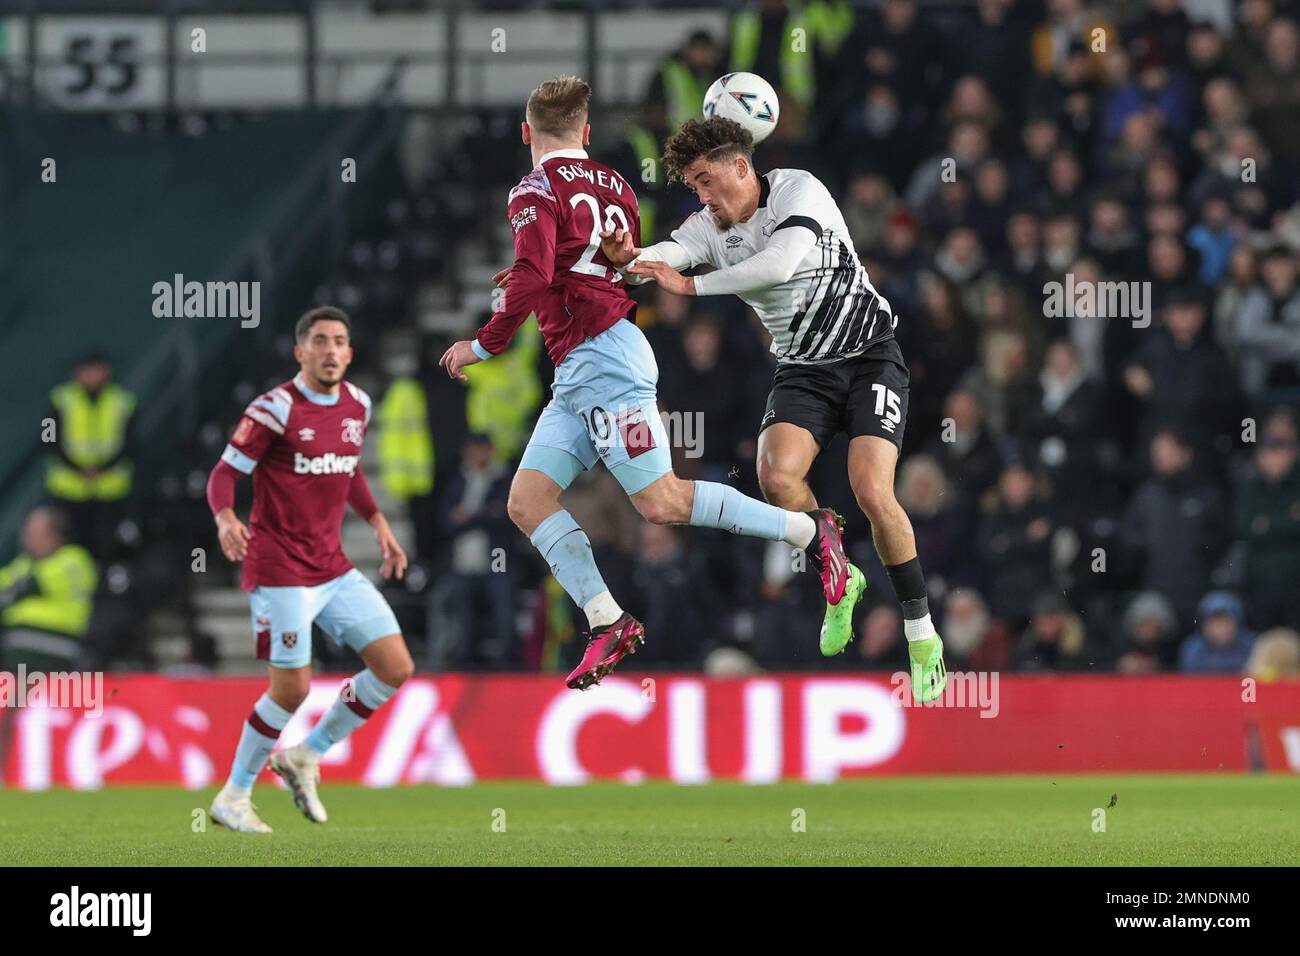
(837, 626)
(929, 676)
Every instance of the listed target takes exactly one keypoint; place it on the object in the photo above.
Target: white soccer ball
(746, 98)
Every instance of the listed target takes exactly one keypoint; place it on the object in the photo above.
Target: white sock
(602, 610)
(800, 529)
(922, 629)
(232, 790)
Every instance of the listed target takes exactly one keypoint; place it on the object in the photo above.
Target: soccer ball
(746, 98)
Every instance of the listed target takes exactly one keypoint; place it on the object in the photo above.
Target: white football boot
(236, 813)
(299, 767)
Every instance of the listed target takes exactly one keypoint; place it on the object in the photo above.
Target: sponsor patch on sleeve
(243, 432)
(522, 218)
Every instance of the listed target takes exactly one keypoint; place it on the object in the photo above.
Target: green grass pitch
(1233, 820)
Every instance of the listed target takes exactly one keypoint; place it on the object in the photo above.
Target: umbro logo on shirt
(306, 434)
(734, 240)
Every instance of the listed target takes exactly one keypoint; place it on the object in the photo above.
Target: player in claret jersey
(301, 442)
(603, 401)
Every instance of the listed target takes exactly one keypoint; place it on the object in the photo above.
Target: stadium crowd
(1090, 490)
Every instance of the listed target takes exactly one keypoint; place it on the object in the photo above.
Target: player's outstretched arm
(773, 266)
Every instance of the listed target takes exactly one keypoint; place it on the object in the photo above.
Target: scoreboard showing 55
(111, 69)
(101, 62)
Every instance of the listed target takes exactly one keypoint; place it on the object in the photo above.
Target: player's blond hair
(558, 108)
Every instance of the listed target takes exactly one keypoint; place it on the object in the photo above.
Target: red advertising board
(455, 729)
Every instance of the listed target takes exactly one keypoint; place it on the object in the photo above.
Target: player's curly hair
(716, 138)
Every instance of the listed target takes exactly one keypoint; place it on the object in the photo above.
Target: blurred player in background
(301, 442)
(604, 397)
(780, 242)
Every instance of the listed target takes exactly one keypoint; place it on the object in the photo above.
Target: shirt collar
(563, 154)
(314, 397)
(764, 190)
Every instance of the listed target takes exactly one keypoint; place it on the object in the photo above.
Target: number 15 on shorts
(887, 407)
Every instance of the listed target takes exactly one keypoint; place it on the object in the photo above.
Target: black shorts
(864, 395)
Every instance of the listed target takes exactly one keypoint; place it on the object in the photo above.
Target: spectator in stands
(46, 596)
(972, 638)
(1001, 381)
(964, 447)
(480, 541)
(1014, 545)
(1214, 239)
(1268, 523)
(1275, 655)
(1062, 425)
(870, 201)
(1205, 59)
(1234, 288)
(1180, 375)
(1056, 639)
(938, 522)
(1175, 525)
(1268, 326)
(1112, 237)
(1150, 636)
(880, 638)
(89, 472)
(670, 595)
(1222, 642)
(1246, 46)
(716, 420)
(1274, 90)
(1155, 88)
(942, 338)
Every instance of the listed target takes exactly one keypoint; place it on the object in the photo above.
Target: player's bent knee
(875, 498)
(777, 483)
(397, 671)
(289, 687)
(519, 512)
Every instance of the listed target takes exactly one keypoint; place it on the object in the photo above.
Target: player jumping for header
(603, 401)
(780, 243)
(301, 442)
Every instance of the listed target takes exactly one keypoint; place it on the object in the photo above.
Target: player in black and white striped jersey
(780, 242)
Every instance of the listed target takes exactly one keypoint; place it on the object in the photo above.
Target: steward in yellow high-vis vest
(405, 445)
(684, 78)
(46, 596)
(504, 394)
(825, 25)
(92, 421)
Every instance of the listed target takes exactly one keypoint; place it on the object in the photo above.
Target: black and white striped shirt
(827, 310)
